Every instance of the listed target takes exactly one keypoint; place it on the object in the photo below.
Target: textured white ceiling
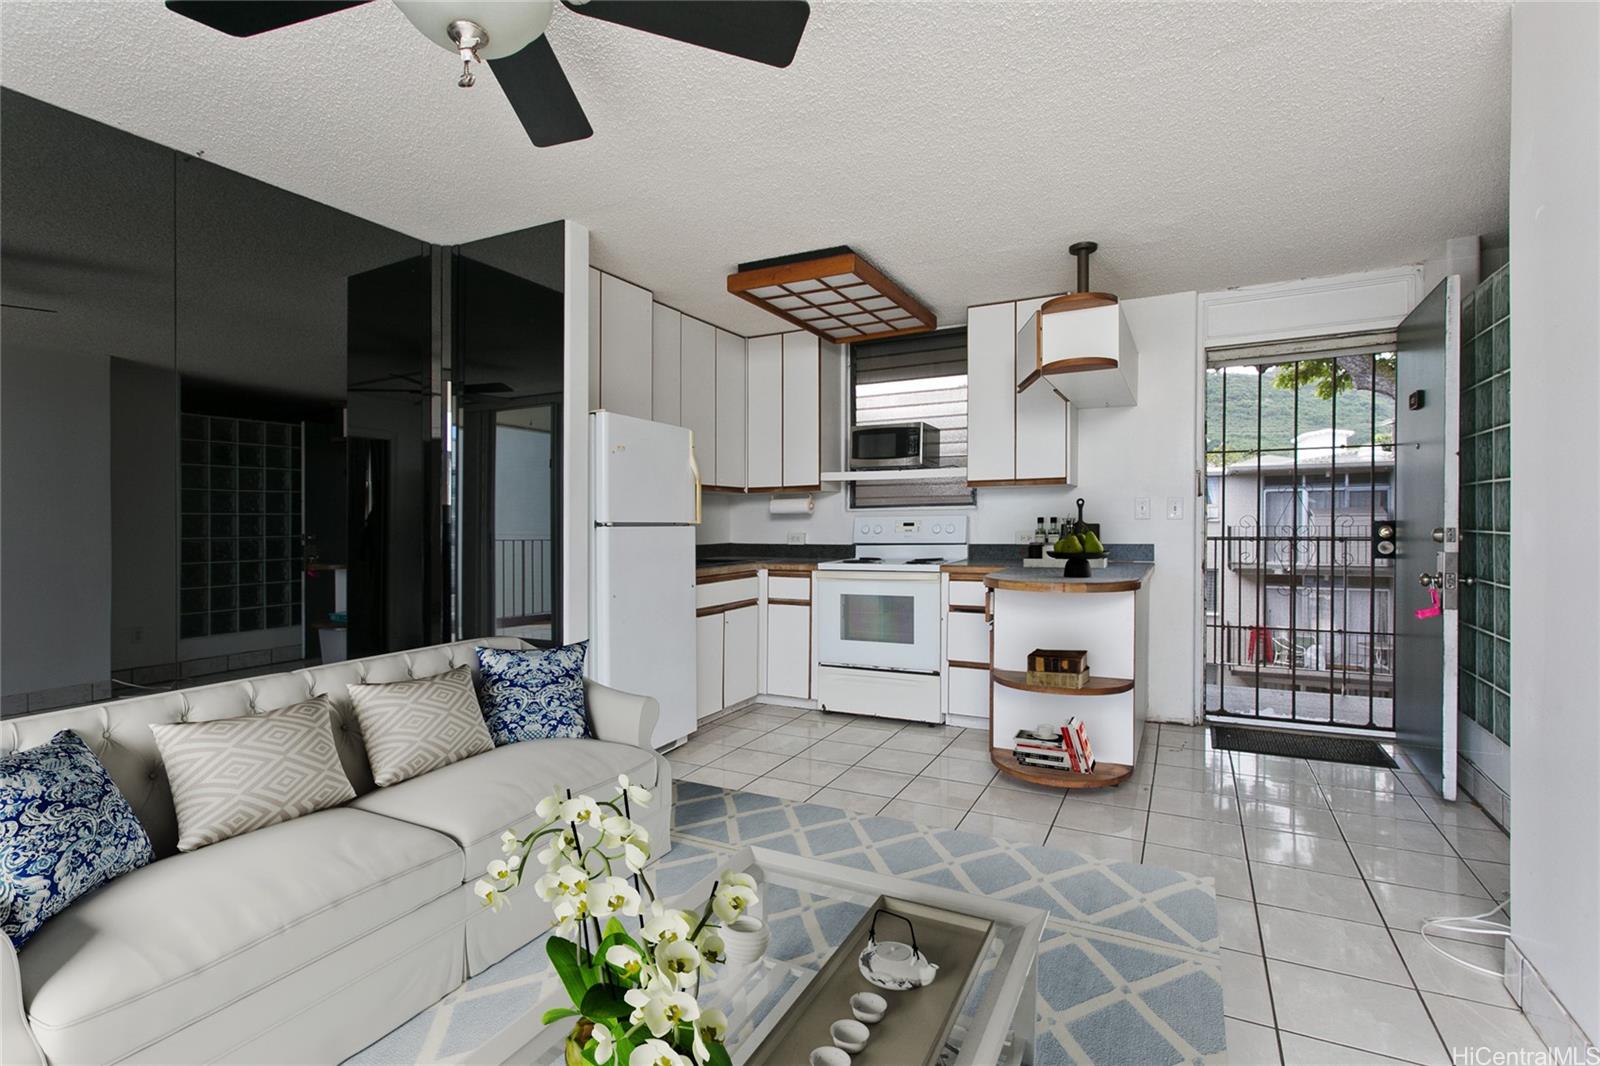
(959, 145)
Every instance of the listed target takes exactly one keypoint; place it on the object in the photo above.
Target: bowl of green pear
(1077, 545)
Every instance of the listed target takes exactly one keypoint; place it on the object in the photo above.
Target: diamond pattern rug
(1129, 967)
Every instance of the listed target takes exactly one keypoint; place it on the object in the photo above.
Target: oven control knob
(865, 529)
(877, 529)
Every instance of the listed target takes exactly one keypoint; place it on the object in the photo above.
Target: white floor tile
(811, 771)
(930, 743)
(1095, 845)
(699, 752)
(1392, 833)
(861, 734)
(1494, 876)
(1314, 821)
(1366, 778)
(1464, 1024)
(1210, 780)
(1315, 893)
(748, 761)
(803, 727)
(1295, 849)
(1304, 1051)
(777, 786)
(953, 795)
(1331, 944)
(889, 758)
(1215, 806)
(1407, 908)
(1266, 790)
(779, 743)
(1462, 812)
(1196, 834)
(1273, 768)
(1016, 784)
(1003, 828)
(1100, 818)
(1380, 804)
(1489, 844)
(1232, 876)
(949, 768)
(1432, 972)
(1023, 806)
(778, 710)
(858, 802)
(1250, 1044)
(923, 814)
(830, 749)
(1244, 988)
(968, 753)
(733, 736)
(710, 775)
(1418, 869)
(1370, 1015)
(1127, 794)
(885, 783)
(763, 720)
(1237, 920)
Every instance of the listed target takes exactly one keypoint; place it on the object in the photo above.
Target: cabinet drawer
(717, 593)
(788, 588)
(968, 638)
(967, 593)
(968, 692)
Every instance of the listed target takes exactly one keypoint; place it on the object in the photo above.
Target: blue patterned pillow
(65, 830)
(533, 695)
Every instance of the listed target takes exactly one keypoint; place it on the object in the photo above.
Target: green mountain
(1285, 413)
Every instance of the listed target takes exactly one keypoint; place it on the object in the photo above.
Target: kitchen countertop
(746, 567)
(1115, 577)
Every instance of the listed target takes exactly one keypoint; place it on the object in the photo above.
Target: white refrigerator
(646, 496)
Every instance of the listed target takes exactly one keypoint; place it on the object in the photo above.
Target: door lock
(1427, 580)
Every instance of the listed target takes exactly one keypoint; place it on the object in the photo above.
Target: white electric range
(879, 636)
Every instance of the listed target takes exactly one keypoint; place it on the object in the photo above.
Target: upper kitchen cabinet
(626, 330)
(811, 408)
(732, 400)
(666, 365)
(698, 404)
(1083, 349)
(1014, 437)
(766, 413)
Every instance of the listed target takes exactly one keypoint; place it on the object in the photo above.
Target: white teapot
(894, 965)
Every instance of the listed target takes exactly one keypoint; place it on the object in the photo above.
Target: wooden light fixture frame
(815, 267)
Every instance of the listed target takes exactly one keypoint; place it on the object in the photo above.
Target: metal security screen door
(1299, 606)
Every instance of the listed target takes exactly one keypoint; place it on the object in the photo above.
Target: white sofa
(304, 941)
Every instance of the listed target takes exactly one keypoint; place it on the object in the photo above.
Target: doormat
(1301, 745)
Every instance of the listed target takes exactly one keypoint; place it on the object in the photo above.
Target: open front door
(1427, 436)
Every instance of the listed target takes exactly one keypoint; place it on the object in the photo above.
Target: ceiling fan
(509, 36)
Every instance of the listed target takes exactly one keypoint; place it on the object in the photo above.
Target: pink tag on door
(1433, 611)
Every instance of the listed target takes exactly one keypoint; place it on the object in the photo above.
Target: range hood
(1082, 347)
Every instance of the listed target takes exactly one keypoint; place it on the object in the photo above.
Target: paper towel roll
(791, 505)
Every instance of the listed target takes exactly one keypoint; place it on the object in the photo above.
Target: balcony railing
(1341, 546)
(522, 580)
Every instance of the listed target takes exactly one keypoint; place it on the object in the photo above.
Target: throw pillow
(534, 695)
(65, 830)
(411, 727)
(237, 774)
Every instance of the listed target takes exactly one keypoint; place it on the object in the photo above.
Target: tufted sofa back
(119, 732)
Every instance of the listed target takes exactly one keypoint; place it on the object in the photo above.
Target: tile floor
(1324, 871)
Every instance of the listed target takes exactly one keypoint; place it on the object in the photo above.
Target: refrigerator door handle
(694, 469)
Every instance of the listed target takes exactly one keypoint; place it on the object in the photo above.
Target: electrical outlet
(1174, 508)
(1023, 538)
(797, 537)
(1141, 508)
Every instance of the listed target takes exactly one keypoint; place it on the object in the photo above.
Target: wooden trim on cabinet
(1065, 586)
(736, 575)
(1079, 365)
(768, 488)
(1002, 482)
(787, 603)
(724, 608)
(965, 608)
(965, 665)
(1097, 686)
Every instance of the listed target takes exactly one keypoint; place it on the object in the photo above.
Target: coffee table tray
(919, 1021)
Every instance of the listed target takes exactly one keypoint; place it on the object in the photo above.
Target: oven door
(891, 446)
(879, 620)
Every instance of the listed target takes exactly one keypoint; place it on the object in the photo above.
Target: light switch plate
(1174, 508)
(797, 537)
(1141, 508)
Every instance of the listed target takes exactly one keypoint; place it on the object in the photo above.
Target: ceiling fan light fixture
(506, 28)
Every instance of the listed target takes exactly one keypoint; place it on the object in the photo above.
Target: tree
(1330, 376)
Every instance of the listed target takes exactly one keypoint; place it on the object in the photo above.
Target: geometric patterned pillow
(411, 727)
(65, 830)
(234, 775)
(534, 695)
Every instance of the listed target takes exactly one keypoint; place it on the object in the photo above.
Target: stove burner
(859, 560)
(929, 559)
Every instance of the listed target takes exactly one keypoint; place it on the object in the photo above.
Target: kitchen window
(922, 378)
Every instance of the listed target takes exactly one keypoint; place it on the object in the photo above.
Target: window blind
(915, 379)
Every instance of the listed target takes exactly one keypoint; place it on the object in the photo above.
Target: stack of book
(1057, 667)
(1059, 748)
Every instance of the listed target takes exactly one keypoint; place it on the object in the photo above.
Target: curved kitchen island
(1104, 614)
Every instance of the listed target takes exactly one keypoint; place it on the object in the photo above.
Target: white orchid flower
(624, 958)
(581, 810)
(570, 911)
(635, 793)
(562, 849)
(679, 960)
(510, 843)
(550, 806)
(712, 1026)
(731, 900)
(636, 855)
(614, 830)
(489, 895)
(660, 1008)
(502, 875)
(665, 925)
(604, 1044)
(574, 881)
(612, 895)
(711, 945)
(655, 1053)
(514, 861)
(736, 877)
(595, 862)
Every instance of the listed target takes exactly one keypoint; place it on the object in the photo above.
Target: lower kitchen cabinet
(967, 638)
(789, 650)
(968, 692)
(741, 666)
(708, 660)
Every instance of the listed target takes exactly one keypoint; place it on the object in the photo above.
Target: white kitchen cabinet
(766, 413)
(708, 660)
(1042, 422)
(666, 365)
(802, 412)
(698, 396)
(789, 650)
(991, 393)
(594, 339)
(741, 649)
(731, 402)
(967, 637)
(967, 692)
(625, 332)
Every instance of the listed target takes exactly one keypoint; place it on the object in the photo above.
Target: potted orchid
(634, 992)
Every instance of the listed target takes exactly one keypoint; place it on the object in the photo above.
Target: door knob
(1427, 580)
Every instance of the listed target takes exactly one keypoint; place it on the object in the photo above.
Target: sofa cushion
(535, 694)
(411, 727)
(65, 830)
(474, 801)
(238, 774)
(167, 945)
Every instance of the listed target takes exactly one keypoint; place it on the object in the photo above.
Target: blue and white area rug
(1129, 967)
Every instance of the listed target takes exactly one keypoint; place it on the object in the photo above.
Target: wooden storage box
(1058, 667)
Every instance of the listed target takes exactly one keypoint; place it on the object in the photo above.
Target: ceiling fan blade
(541, 95)
(767, 31)
(246, 18)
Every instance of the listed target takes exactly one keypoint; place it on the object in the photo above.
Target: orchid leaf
(718, 1054)
(555, 1014)
(603, 1002)
(564, 957)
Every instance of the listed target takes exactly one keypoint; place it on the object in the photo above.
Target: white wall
(576, 516)
(1555, 486)
(1146, 450)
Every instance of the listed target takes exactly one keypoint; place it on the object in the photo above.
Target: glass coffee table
(811, 908)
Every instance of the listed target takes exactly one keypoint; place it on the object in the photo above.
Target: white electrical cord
(1458, 925)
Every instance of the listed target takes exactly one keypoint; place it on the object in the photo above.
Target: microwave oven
(894, 445)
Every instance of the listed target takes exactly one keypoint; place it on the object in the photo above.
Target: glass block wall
(241, 548)
(1486, 504)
